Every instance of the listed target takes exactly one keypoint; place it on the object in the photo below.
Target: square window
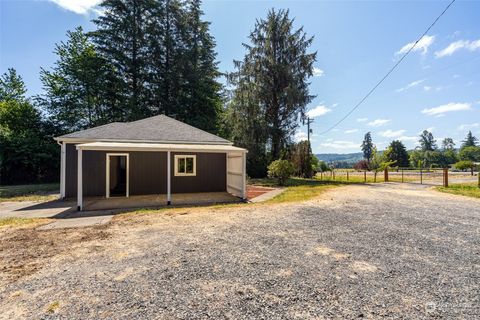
(185, 165)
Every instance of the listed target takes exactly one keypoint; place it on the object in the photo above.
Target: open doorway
(117, 175)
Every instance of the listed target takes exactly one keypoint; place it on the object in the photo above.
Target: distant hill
(340, 157)
(340, 160)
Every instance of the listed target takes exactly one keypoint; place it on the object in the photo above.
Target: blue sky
(437, 86)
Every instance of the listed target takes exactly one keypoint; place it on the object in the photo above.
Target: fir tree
(367, 147)
(121, 39)
(278, 66)
(470, 140)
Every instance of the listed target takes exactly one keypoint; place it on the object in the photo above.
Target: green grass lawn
(32, 192)
(464, 189)
(298, 189)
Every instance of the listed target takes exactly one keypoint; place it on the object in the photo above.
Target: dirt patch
(24, 251)
(255, 191)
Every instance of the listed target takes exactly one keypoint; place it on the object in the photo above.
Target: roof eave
(85, 140)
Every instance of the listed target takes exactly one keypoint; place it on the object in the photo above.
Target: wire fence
(405, 175)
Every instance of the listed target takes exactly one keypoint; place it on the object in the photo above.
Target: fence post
(333, 174)
(347, 176)
(385, 175)
(421, 176)
(402, 175)
(365, 176)
(321, 175)
(445, 177)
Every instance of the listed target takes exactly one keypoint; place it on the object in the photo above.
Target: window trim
(185, 174)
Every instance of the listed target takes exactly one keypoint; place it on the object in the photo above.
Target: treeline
(150, 57)
(145, 58)
(427, 155)
(27, 150)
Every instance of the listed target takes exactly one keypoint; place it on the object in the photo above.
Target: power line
(389, 72)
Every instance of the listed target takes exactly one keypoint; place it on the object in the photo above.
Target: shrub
(464, 165)
(281, 170)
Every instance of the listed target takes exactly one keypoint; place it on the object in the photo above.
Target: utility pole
(308, 120)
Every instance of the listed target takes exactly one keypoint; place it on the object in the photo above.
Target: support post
(79, 180)
(421, 176)
(347, 175)
(364, 176)
(402, 175)
(63, 155)
(445, 177)
(385, 175)
(169, 178)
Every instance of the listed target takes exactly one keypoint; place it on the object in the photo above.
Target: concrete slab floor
(144, 201)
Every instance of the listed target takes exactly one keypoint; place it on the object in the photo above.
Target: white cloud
(78, 6)
(407, 139)
(378, 122)
(411, 85)
(341, 145)
(422, 45)
(427, 88)
(317, 72)
(457, 45)
(300, 136)
(468, 126)
(450, 107)
(318, 111)
(362, 119)
(392, 134)
(351, 131)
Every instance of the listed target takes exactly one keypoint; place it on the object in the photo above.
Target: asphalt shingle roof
(154, 129)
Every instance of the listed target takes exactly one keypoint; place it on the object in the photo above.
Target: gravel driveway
(385, 250)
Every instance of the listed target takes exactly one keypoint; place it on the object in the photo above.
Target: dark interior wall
(211, 174)
(147, 173)
(94, 175)
(70, 171)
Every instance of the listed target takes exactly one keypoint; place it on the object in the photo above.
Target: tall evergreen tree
(184, 69)
(201, 91)
(278, 65)
(245, 122)
(367, 147)
(12, 86)
(121, 38)
(470, 140)
(427, 141)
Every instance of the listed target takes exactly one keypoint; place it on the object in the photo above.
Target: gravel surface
(374, 251)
